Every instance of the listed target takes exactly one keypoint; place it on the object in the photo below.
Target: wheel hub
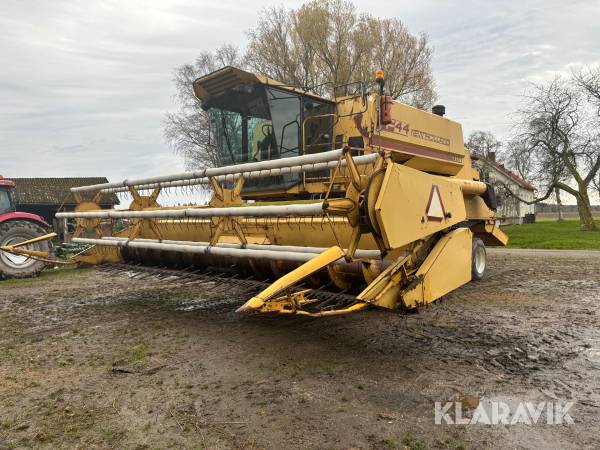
(16, 261)
(480, 259)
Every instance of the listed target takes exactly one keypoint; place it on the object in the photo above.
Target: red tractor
(24, 238)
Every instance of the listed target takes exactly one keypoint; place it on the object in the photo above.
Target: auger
(360, 195)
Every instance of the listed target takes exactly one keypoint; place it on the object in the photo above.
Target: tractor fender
(24, 216)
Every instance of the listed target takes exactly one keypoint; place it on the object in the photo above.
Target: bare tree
(555, 127)
(596, 184)
(541, 168)
(188, 130)
(520, 158)
(322, 44)
(327, 43)
(483, 144)
(589, 81)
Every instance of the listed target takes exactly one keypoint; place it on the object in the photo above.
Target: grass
(564, 235)
(47, 274)
(412, 443)
(138, 357)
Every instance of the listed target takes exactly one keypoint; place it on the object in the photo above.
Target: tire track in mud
(530, 325)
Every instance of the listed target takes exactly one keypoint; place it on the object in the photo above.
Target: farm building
(510, 209)
(46, 196)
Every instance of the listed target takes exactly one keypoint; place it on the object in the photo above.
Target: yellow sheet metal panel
(355, 118)
(447, 267)
(413, 204)
(429, 142)
(308, 232)
(451, 267)
(477, 209)
(490, 234)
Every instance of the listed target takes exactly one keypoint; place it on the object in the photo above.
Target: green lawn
(48, 273)
(552, 235)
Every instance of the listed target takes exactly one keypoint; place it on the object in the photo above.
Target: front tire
(20, 266)
(478, 260)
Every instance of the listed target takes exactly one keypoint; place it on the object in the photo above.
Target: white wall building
(510, 209)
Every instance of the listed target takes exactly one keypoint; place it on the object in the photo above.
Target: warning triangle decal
(435, 208)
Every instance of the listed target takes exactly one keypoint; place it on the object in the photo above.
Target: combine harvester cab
(343, 204)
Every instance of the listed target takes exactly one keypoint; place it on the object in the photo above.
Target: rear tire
(478, 260)
(19, 266)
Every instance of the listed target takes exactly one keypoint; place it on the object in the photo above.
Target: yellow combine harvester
(361, 195)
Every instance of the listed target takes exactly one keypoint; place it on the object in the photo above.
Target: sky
(85, 85)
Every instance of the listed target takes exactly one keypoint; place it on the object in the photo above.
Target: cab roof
(222, 80)
(5, 182)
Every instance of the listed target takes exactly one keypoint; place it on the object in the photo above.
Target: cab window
(5, 203)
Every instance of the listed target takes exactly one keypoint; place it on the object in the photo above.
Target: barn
(46, 196)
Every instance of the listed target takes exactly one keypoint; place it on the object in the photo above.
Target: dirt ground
(90, 361)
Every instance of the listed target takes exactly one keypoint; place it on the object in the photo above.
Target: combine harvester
(343, 204)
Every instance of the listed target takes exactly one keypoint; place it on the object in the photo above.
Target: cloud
(84, 85)
(487, 53)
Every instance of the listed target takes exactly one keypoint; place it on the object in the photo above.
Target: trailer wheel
(20, 266)
(478, 259)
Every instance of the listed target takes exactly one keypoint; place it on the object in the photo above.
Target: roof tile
(55, 191)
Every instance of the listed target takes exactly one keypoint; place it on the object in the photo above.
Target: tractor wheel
(20, 266)
(478, 259)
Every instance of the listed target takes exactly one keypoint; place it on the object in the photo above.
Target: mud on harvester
(361, 196)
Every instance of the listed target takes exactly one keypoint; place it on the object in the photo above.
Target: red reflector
(386, 109)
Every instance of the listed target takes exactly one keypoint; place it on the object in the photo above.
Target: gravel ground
(96, 361)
